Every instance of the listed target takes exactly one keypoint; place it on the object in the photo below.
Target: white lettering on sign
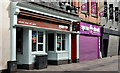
(63, 27)
(90, 28)
(28, 23)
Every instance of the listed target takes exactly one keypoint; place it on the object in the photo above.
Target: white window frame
(61, 42)
(35, 52)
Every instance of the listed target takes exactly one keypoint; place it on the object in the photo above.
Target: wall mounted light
(17, 11)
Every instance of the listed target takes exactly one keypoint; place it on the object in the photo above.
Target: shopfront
(89, 41)
(47, 40)
(109, 42)
(39, 36)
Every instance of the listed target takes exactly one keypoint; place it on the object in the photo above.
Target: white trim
(78, 46)
(36, 41)
(44, 39)
(36, 11)
(13, 33)
(13, 45)
(55, 42)
(69, 47)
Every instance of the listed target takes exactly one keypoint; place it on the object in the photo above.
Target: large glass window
(37, 41)
(61, 42)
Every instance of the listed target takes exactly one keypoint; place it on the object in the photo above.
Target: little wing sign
(86, 28)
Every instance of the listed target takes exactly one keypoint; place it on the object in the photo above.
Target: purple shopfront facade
(89, 41)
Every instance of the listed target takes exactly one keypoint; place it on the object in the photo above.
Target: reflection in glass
(40, 47)
(63, 41)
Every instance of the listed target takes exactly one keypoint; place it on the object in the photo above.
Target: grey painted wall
(114, 43)
(108, 23)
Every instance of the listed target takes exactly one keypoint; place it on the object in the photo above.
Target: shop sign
(63, 27)
(90, 29)
(76, 26)
(23, 21)
(28, 23)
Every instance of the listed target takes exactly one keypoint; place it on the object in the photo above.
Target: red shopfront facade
(89, 41)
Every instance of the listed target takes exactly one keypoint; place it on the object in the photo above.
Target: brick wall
(88, 18)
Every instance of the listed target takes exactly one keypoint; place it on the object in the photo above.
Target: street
(105, 64)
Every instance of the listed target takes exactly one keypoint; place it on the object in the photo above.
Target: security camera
(17, 11)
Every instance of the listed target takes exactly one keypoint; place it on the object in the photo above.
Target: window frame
(61, 42)
(37, 43)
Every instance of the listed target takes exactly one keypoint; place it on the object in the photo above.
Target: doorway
(19, 40)
(105, 47)
(50, 41)
(73, 48)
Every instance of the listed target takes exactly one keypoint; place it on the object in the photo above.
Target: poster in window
(33, 40)
(58, 42)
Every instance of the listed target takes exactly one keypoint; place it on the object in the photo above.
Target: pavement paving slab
(104, 64)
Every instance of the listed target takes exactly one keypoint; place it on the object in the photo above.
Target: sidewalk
(105, 64)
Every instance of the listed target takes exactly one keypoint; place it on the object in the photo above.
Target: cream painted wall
(4, 33)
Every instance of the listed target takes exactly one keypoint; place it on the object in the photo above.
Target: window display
(60, 42)
(33, 40)
(37, 41)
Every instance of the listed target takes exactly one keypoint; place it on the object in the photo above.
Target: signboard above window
(35, 23)
(90, 29)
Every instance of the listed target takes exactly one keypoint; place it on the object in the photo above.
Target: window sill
(62, 52)
(39, 53)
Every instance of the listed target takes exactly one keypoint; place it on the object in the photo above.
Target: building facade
(41, 33)
(89, 31)
(110, 30)
(4, 34)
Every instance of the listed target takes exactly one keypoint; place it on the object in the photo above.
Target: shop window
(37, 41)
(40, 37)
(40, 47)
(60, 42)
(63, 42)
(34, 35)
